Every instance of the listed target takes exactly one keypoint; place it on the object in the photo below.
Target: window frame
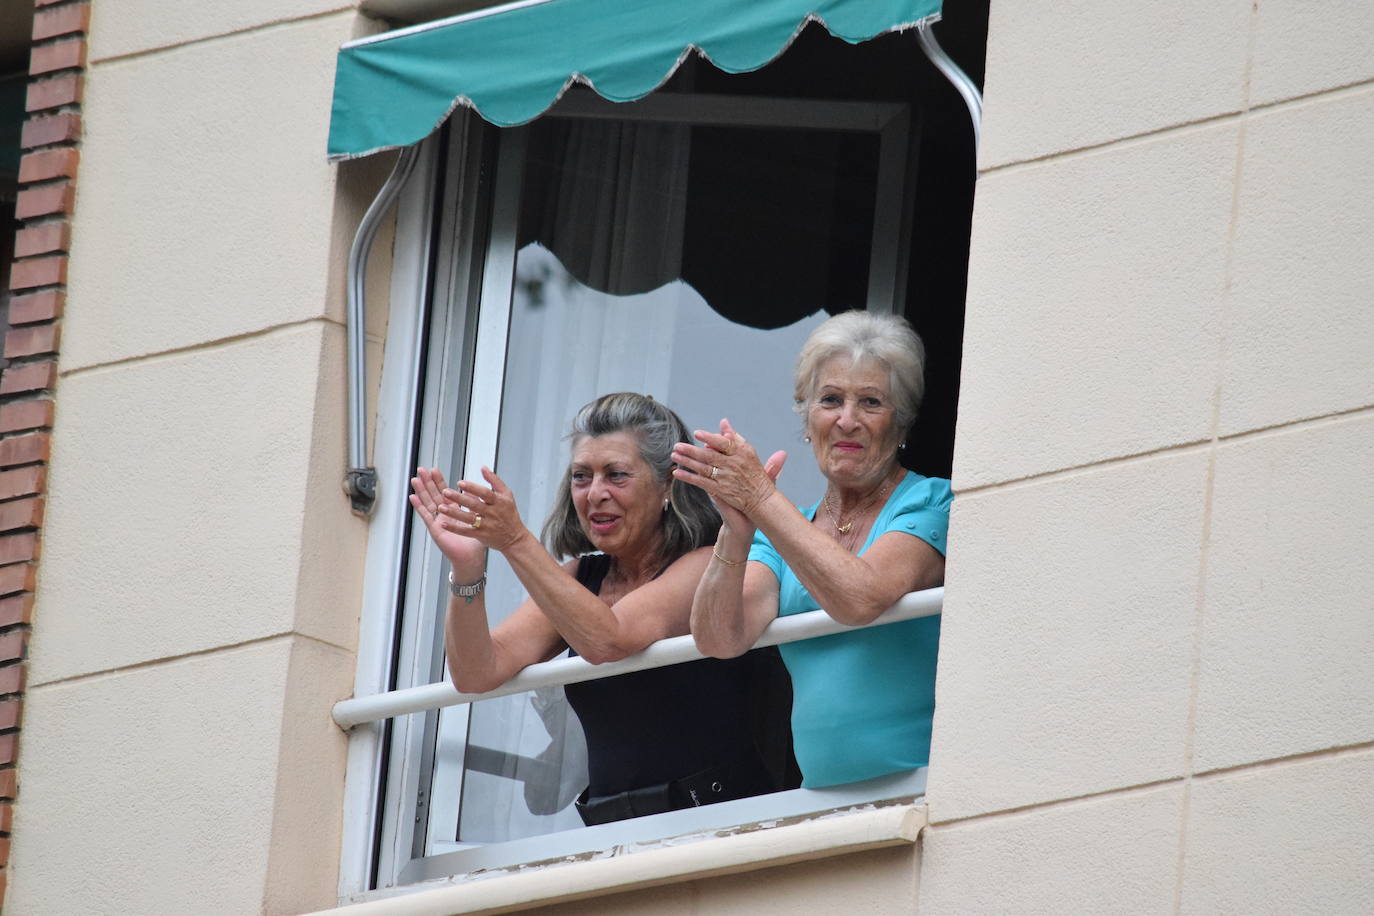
(450, 298)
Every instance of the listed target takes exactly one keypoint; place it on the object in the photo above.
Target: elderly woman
(657, 740)
(862, 700)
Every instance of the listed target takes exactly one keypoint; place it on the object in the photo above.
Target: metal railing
(355, 711)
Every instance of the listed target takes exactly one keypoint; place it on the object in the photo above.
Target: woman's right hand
(467, 555)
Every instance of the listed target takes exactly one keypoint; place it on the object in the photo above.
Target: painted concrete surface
(1288, 629)
(1104, 855)
(1068, 75)
(1093, 309)
(1301, 325)
(1292, 837)
(1306, 46)
(143, 26)
(159, 789)
(176, 517)
(1065, 661)
(205, 200)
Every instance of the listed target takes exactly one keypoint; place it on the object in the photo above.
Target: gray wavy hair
(690, 520)
(860, 335)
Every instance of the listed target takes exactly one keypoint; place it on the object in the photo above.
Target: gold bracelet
(715, 553)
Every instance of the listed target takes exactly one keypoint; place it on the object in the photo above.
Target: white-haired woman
(862, 700)
(659, 739)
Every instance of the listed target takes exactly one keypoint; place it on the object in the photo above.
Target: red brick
(45, 200)
(44, 238)
(21, 513)
(41, 376)
(11, 650)
(65, 20)
(49, 163)
(15, 548)
(9, 717)
(23, 481)
(19, 415)
(30, 342)
(58, 128)
(8, 783)
(5, 841)
(25, 449)
(54, 92)
(16, 579)
(32, 307)
(16, 609)
(60, 55)
(11, 681)
(6, 817)
(33, 272)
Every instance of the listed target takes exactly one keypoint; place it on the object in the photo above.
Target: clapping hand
(464, 522)
(728, 469)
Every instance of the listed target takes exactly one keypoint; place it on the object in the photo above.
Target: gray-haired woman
(657, 740)
(862, 700)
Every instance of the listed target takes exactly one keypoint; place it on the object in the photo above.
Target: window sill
(683, 858)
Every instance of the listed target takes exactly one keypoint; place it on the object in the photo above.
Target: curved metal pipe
(965, 86)
(360, 481)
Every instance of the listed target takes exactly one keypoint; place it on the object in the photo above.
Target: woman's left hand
(485, 513)
(727, 468)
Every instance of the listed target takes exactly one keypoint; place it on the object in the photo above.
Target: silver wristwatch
(467, 591)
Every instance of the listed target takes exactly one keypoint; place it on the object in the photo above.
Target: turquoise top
(512, 62)
(862, 701)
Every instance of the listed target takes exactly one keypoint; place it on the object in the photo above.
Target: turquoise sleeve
(762, 551)
(923, 512)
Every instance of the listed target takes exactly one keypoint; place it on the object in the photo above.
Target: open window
(683, 245)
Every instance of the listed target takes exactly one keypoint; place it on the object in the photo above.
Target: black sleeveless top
(650, 727)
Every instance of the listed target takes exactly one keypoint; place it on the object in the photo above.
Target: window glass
(644, 264)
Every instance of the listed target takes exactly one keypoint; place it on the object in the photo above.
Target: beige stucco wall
(198, 598)
(1155, 692)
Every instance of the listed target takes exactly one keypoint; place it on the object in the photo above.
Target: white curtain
(615, 319)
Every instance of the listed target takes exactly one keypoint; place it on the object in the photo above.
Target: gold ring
(477, 521)
(714, 471)
(731, 442)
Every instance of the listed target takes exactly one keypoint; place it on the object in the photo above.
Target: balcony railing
(355, 711)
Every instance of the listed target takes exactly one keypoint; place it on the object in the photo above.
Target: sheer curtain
(598, 305)
(609, 197)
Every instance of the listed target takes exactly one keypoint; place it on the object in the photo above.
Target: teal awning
(512, 62)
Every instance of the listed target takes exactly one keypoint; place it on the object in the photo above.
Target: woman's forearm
(471, 654)
(583, 620)
(846, 586)
(719, 627)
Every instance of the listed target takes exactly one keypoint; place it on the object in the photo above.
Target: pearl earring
(806, 439)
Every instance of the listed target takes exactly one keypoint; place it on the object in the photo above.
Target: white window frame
(470, 316)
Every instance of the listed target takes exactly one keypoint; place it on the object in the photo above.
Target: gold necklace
(844, 529)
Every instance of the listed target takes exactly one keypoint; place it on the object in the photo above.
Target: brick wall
(46, 201)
